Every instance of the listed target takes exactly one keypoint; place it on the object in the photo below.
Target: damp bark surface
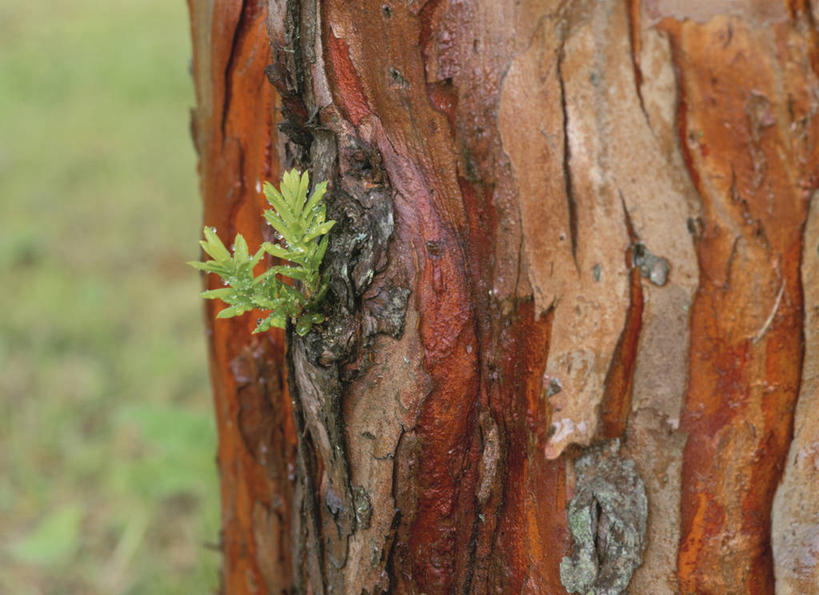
(570, 330)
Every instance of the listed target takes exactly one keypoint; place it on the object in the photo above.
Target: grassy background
(107, 474)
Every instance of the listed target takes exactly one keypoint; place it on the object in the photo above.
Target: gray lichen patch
(363, 507)
(654, 268)
(607, 520)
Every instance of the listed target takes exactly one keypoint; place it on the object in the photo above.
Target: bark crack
(571, 202)
(234, 47)
(363, 300)
(615, 405)
(633, 16)
(307, 501)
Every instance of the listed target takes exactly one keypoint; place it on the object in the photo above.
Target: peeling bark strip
(559, 223)
(746, 320)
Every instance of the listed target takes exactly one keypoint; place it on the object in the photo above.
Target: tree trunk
(572, 327)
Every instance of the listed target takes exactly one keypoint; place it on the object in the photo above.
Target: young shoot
(300, 223)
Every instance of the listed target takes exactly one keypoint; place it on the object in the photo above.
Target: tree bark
(571, 339)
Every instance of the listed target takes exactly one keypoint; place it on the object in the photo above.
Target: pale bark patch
(795, 528)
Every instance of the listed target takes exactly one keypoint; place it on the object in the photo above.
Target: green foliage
(53, 540)
(300, 223)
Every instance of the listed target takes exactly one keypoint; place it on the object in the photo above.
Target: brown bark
(573, 287)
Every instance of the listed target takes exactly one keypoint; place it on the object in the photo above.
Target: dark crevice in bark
(501, 508)
(306, 540)
(803, 318)
(813, 33)
(318, 390)
(471, 549)
(361, 302)
(682, 124)
(286, 74)
(315, 389)
(567, 172)
(729, 264)
(616, 403)
(293, 37)
(633, 16)
(798, 9)
(388, 551)
(234, 48)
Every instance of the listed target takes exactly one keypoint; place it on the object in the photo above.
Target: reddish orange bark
(233, 127)
(753, 172)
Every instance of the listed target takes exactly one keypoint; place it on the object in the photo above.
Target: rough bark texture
(572, 318)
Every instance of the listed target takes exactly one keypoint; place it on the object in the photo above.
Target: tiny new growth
(300, 224)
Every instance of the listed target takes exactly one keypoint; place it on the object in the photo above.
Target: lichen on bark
(607, 520)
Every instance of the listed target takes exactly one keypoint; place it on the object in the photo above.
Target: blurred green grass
(107, 475)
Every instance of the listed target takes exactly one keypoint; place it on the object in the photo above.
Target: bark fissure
(307, 541)
(234, 44)
(615, 406)
(633, 13)
(361, 304)
(571, 201)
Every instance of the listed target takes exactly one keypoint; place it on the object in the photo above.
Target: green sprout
(300, 224)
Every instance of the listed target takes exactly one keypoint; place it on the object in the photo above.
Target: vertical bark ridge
(249, 11)
(634, 28)
(615, 407)
(795, 510)
(746, 332)
(255, 430)
(450, 421)
(512, 335)
(795, 514)
(528, 540)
